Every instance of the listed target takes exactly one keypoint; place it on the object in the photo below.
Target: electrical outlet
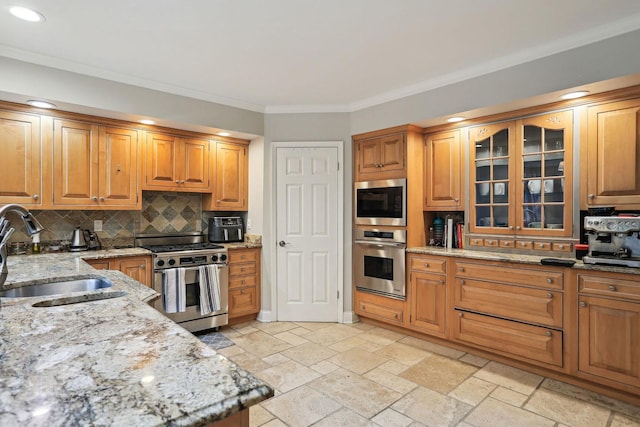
(249, 224)
(97, 225)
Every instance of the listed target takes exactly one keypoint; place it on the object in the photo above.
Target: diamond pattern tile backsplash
(162, 212)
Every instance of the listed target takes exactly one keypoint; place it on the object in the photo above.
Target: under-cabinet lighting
(147, 122)
(223, 134)
(455, 119)
(40, 104)
(574, 95)
(26, 14)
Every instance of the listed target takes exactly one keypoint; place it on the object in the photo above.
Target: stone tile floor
(328, 374)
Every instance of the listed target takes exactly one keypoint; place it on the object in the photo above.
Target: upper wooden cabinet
(443, 172)
(230, 183)
(174, 163)
(94, 166)
(20, 160)
(381, 157)
(612, 167)
(520, 176)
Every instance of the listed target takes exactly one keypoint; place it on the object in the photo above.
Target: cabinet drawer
(380, 312)
(243, 301)
(507, 243)
(475, 241)
(509, 337)
(562, 247)
(242, 255)
(616, 288)
(511, 275)
(492, 243)
(236, 282)
(542, 246)
(241, 269)
(524, 244)
(429, 265)
(525, 304)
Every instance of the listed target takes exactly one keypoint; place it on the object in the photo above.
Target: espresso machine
(613, 240)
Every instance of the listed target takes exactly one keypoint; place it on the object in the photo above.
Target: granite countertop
(113, 361)
(514, 257)
(242, 245)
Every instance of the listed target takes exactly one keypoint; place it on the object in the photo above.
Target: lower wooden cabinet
(427, 280)
(244, 282)
(136, 267)
(378, 307)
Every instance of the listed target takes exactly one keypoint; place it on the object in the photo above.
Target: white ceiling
(303, 55)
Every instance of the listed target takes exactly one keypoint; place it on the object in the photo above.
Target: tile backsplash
(162, 212)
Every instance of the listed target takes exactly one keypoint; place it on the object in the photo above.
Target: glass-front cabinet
(521, 181)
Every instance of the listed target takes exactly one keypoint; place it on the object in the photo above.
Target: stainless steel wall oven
(379, 262)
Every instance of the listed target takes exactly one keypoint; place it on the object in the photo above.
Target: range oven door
(192, 313)
(382, 202)
(380, 268)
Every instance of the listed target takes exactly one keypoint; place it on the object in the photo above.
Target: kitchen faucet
(31, 224)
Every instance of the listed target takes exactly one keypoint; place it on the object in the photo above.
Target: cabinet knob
(549, 295)
(36, 197)
(142, 266)
(560, 246)
(461, 269)
(462, 282)
(101, 199)
(395, 315)
(177, 181)
(549, 280)
(218, 202)
(426, 265)
(242, 291)
(518, 227)
(243, 281)
(442, 282)
(94, 198)
(456, 200)
(591, 196)
(582, 304)
(612, 288)
(459, 314)
(511, 227)
(182, 182)
(548, 333)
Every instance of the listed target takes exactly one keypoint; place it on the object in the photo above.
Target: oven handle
(381, 244)
(189, 268)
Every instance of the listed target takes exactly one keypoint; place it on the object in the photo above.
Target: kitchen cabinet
(510, 310)
(380, 157)
(609, 329)
(520, 177)
(381, 308)
(136, 267)
(443, 172)
(175, 163)
(427, 279)
(21, 159)
(230, 178)
(95, 167)
(612, 166)
(244, 283)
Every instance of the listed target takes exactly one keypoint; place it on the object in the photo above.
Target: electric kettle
(78, 242)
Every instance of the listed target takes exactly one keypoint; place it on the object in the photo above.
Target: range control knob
(172, 261)
(160, 263)
(214, 258)
(223, 257)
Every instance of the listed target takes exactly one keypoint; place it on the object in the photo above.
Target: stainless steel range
(188, 251)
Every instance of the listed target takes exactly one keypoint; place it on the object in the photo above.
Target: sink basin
(55, 288)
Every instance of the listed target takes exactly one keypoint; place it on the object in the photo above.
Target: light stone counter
(107, 362)
(512, 257)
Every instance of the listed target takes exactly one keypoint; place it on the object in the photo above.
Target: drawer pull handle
(462, 282)
(612, 288)
(549, 280)
(548, 333)
(583, 304)
(549, 295)
(461, 269)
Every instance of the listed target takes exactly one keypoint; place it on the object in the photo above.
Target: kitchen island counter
(113, 361)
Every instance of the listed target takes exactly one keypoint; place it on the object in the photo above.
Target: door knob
(282, 243)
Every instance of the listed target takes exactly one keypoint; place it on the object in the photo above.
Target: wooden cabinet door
(75, 163)
(161, 171)
(231, 177)
(609, 339)
(118, 167)
(443, 170)
(428, 303)
(99, 264)
(138, 268)
(194, 173)
(392, 152)
(381, 157)
(243, 302)
(369, 156)
(613, 155)
(20, 160)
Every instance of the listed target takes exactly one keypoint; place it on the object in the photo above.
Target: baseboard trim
(266, 316)
(350, 317)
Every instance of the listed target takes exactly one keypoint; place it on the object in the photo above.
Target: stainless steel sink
(56, 288)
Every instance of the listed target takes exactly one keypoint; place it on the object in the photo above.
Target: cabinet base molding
(242, 319)
(629, 397)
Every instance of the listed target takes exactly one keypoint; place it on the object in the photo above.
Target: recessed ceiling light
(41, 104)
(455, 119)
(223, 134)
(147, 122)
(26, 14)
(574, 95)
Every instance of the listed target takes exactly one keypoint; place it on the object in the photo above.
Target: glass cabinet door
(544, 185)
(491, 172)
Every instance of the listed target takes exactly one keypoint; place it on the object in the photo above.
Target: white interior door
(307, 233)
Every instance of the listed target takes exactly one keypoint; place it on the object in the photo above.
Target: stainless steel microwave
(382, 202)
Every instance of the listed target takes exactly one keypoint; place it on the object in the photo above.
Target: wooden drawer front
(380, 312)
(237, 282)
(242, 255)
(542, 246)
(428, 265)
(99, 264)
(509, 337)
(243, 301)
(510, 275)
(492, 243)
(242, 269)
(524, 244)
(562, 247)
(515, 302)
(614, 288)
(476, 242)
(507, 243)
